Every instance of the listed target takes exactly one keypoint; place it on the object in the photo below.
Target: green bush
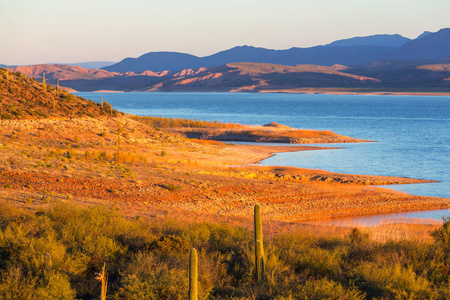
(395, 281)
(442, 235)
(327, 289)
(55, 253)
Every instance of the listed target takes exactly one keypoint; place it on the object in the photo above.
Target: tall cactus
(7, 73)
(101, 103)
(103, 278)
(44, 85)
(259, 250)
(26, 72)
(193, 262)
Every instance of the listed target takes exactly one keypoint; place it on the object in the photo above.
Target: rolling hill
(407, 74)
(239, 77)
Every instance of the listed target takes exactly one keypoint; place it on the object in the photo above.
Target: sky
(72, 31)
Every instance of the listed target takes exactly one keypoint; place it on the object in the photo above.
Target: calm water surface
(411, 132)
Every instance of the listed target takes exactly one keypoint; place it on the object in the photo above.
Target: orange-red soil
(143, 171)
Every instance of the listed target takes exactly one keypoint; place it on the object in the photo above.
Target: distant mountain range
(93, 64)
(387, 40)
(349, 52)
(253, 77)
(377, 62)
(86, 65)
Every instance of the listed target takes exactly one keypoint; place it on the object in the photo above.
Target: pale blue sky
(42, 31)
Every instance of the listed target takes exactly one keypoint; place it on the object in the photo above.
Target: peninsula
(58, 147)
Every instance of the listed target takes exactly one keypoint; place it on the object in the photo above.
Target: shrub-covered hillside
(56, 253)
(25, 98)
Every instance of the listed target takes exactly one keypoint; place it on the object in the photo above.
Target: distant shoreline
(324, 91)
(359, 92)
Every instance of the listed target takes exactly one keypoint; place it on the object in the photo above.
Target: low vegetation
(26, 98)
(218, 131)
(163, 122)
(56, 253)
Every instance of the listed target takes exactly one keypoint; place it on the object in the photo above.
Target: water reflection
(417, 217)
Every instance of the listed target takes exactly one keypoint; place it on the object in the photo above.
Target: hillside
(425, 74)
(25, 98)
(256, 77)
(430, 46)
(63, 72)
(75, 78)
(156, 61)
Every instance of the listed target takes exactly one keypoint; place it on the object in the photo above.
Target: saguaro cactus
(26, 72)
(193, 262)
(259, 250)
(7, 73)
(101, 103)
(44, 85)
(57, 85)
(103, 278)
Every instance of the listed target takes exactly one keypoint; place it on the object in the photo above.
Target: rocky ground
(144, 170)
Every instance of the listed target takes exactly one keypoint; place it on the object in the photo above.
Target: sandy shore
(349, 91)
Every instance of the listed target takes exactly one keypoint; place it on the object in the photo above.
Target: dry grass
(120, 160)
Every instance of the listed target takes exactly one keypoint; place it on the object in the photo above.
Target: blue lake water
(412, 133)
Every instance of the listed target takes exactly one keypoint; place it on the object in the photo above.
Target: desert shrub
(90, 231)
(146, 277)
(169, 244)
(280, 279)
(442, 235)
(357, 237)
(14, 284)
(107, 107)
(317, 256)
(170, 187)
(327, 289)
(394, 280)
(320, 262)
(54, 254)
(31, 260)
(57, 287)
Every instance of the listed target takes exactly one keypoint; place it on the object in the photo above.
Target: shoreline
(306, 91)
(119, 160)
(349, 91)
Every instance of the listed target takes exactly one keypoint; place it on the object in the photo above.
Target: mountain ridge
(350, 52)
(251, 77)
(389, 40)
(430, 46)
